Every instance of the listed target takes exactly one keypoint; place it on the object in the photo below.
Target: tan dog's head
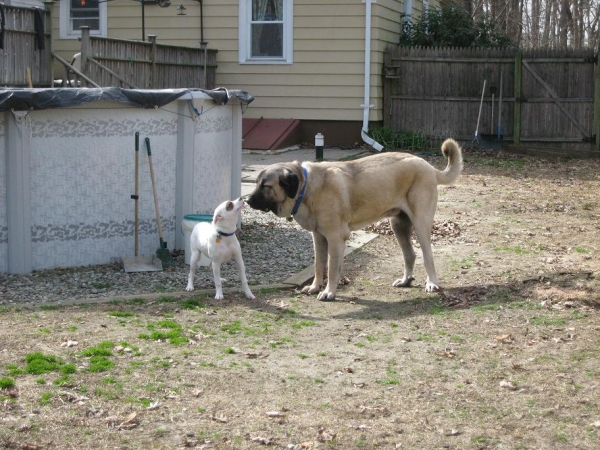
(227, 215)
(276, 187)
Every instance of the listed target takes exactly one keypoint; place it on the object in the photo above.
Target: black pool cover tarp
(38, 99)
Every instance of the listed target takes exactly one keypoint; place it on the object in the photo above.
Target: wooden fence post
(152, 39)
(518, 93)
(85, 48)
(596, 130)
(48, 26)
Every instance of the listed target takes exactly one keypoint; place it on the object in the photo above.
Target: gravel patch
(273, 250)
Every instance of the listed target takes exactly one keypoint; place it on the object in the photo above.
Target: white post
(236, 148)
(184, 170)
(18, 184)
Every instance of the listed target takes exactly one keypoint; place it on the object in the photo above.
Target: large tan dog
(331, 199)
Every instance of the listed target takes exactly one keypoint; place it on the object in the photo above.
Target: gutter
(366, 106)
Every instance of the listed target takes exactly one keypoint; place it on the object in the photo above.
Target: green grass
(63, 380)
(171, 332)
(49, 308)
(100, 364)
(268, 291)
(193, 303)
(38, 363)
(391, 379)
(506, 248)
(6, 383)
(501, 163)
(102, 349)
(547, 321)
(121, 314)
(232, 328)
(46, 398)
(303, 323)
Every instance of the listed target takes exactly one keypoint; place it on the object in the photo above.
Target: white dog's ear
(216, 218)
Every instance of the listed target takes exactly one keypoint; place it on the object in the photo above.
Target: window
(266, 31)
(80, 13)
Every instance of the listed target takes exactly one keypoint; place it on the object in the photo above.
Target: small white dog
(218, 241)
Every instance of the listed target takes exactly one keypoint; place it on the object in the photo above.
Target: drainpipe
(366, 106)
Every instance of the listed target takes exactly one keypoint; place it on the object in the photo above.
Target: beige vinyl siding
(326, 79)
(325, 82)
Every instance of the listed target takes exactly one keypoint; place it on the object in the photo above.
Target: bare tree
(543, 23)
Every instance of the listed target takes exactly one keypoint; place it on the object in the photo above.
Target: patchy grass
(504, 356)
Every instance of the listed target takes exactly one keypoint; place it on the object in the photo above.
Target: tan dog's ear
(229, 206)
(290, 182)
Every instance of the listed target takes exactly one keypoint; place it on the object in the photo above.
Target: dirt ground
(505, 357)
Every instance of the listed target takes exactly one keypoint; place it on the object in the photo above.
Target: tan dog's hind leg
(423, 214)
(402, 227)
(320, 249)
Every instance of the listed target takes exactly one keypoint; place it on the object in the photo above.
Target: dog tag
(289, 218)
(218, 239)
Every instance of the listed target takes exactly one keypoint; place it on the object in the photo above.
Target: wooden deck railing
(141, 65)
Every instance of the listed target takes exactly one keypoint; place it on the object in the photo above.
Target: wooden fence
(25, 47)
(143, 65)
(544, 98)
(26, 58)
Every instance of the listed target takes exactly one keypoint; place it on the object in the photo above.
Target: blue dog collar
(301, 196)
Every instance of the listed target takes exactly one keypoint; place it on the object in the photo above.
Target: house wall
(326, 80)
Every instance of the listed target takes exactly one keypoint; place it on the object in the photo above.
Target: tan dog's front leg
(320, 249)
(336, 247)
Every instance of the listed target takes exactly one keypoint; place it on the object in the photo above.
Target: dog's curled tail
(452, 151)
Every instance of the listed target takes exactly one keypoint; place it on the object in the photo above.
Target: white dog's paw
(403, 282)
(250, 295)
(219, 296)
(189, 288)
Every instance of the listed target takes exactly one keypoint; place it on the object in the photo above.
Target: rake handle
(136, 193)
(480, 107)
(160, 234)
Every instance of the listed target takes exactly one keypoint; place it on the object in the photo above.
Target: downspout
(366, 106)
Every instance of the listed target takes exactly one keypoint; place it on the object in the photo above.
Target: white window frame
(245, 40)
(65, 21)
